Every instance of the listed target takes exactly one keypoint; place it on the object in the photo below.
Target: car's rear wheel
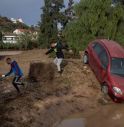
(85, 58)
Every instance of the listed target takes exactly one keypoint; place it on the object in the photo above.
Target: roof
(23, 30)
(9, 34)
(113, 47)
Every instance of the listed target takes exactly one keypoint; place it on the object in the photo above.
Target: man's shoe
(24, 85)
(60, 72)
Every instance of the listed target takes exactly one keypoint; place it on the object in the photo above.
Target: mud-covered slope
(45, 104)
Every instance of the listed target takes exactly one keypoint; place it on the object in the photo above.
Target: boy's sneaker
(60, 72)
(24, 85)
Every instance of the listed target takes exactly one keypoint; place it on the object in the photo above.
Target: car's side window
(97, 48)
(104, 59)
(102, 54)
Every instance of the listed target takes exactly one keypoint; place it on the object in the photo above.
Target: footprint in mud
(104, 101)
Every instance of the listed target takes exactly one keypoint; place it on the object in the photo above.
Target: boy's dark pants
(16, 82)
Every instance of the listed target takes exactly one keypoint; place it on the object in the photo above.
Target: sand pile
(40, 72)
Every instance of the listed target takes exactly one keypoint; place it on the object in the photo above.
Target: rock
(117, 117)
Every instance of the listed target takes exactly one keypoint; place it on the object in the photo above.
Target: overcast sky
(28, 10)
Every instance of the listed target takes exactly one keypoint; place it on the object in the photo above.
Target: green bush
(8, 46)
(95, 20)
(24, 43)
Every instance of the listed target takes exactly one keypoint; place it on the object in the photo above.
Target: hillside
(6, 25)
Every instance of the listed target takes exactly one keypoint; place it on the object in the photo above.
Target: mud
(110, 115)
(9, 53)
(72, 123)
(75, 120)
(48, 104)
(107, 116)
(40, 72)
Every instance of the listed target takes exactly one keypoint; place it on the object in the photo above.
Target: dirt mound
(40, 72)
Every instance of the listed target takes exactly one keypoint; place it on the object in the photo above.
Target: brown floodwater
(105, 116)
(79, 122)
(75, 120)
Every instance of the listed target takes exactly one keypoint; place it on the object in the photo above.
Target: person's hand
(3, 76)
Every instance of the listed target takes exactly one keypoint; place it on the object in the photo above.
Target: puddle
(73, 121)
(105, 116)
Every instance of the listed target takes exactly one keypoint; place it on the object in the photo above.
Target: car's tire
(105, 89)
(85, 58)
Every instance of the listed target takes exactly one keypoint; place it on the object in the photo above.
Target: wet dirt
(72, 123)
(106, 116)
(75, 120)
(9, 53)
(49, 104)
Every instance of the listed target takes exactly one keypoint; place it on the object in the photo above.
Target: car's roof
(114, 49)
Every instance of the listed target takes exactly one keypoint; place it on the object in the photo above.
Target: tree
(118, 1)
(70, 11)
(95, 20)
(1, 36)
(27, 41)
(51, 15)
(122, 1)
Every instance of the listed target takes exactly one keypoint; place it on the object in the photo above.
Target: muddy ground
(46, 104)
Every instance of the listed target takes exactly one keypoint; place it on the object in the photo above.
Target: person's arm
(9, 73)
(49, 51)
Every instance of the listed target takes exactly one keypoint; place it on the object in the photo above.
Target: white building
(13, 20)
(18, 31)
(10, 38)
(16, 20)
(21, 31)
(20, 20)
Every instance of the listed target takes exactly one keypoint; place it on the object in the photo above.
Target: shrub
(95, 19)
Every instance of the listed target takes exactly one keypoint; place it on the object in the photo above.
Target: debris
(40, 72)
(117, 117)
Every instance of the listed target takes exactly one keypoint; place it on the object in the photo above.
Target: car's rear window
(97, 48)
(102, 54)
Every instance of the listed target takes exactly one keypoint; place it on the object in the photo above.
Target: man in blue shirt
(15, 69)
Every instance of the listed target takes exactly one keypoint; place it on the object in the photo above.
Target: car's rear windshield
(117, 66)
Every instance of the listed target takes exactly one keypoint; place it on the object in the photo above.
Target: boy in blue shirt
(15, 69)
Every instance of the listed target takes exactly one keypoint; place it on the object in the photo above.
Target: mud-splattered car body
(106, 58)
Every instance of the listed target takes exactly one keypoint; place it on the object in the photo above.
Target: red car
(106, 58)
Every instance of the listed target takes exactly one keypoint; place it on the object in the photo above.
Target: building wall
(9, 39)
(18, 32)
